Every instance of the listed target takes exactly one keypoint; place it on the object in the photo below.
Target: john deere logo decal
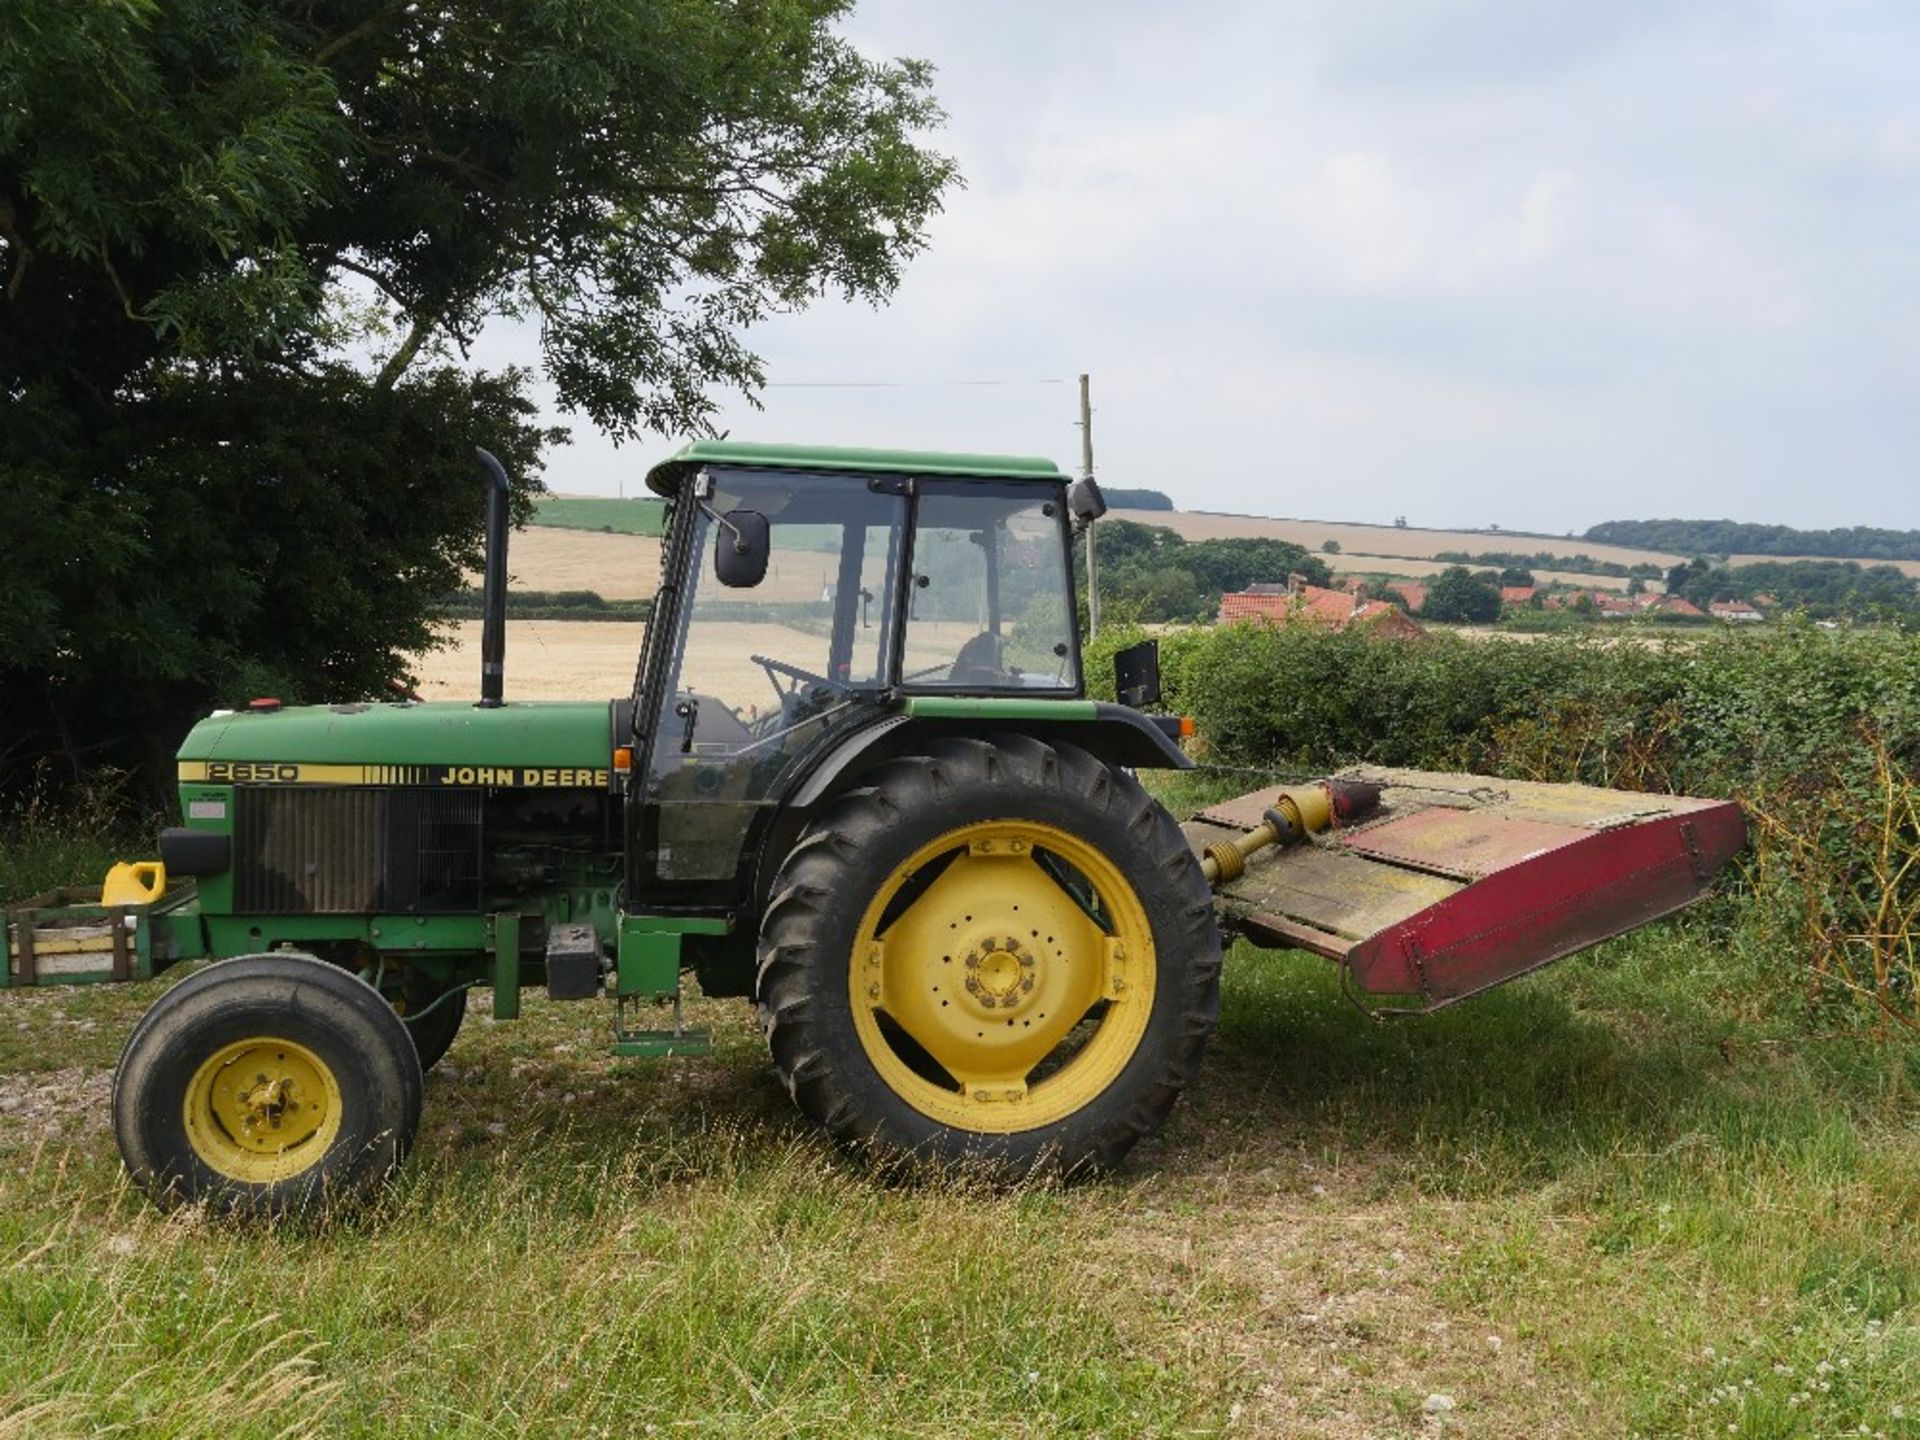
(503, 777)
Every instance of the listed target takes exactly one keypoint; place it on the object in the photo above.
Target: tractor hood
(413, 744)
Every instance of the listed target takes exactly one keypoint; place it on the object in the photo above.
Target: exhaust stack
(493, 606)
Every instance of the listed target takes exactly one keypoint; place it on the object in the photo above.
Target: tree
(1636, 586)
(1330, 547)
(1686, 572)
(1459, 596)
(242, 243)
(1516, 575)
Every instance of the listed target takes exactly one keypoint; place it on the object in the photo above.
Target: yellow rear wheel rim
(262, 1110)
(1030, 1004)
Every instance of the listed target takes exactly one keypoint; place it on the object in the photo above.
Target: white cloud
(1468, 260)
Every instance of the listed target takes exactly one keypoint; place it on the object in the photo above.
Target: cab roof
(665, 478)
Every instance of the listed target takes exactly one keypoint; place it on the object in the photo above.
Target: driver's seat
(981, 661)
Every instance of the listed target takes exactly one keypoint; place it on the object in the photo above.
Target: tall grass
(53, 835)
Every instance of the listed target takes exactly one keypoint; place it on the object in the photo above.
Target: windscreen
(990, 605)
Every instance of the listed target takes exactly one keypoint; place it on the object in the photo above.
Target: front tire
(1000, 951)
(266, 1085)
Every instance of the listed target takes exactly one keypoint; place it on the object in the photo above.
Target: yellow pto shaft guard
(1296, 813)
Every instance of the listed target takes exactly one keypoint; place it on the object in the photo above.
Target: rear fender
(1113, 733)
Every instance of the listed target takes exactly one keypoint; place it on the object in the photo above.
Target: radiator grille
(318, 851)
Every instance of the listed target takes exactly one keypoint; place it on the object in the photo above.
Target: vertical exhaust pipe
(493, 608)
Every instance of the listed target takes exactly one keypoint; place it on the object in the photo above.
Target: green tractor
(857, 782)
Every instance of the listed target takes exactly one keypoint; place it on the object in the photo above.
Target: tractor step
(1456, 883)
(638, 1044)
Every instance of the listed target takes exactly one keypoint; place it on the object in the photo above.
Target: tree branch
(398, 361)
(356, 35)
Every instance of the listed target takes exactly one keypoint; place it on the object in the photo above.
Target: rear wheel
(265, 1085)
(1000, 951)
(432, 1015)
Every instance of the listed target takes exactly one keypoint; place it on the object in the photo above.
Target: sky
(1470, 262)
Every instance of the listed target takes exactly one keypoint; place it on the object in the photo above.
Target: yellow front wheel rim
(262, 1110)
(1010, 989)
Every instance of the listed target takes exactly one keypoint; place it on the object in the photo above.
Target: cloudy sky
(1467, 261)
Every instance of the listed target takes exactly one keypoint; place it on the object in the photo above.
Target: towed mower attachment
(1429, 887)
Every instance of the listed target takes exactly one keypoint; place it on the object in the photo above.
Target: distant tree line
(1825, 589)
(1546, 560)
(1730, 537)
(1136, 499)
(1152, 575)
(468, 604)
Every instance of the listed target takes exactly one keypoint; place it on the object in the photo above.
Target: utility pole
(1086, 469)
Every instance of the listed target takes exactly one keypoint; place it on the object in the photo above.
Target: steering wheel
(776, 668)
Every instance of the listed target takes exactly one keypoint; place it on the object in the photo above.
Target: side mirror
(1085, 502)
(741, 548)
(1136, 674)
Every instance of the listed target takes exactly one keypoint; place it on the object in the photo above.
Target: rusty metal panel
(1344, 895)
(1551, 905)
(1465, 844)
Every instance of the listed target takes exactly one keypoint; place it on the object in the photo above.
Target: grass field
(1391, 540)
(587, 512)
(1602, 1202)
(565, 548)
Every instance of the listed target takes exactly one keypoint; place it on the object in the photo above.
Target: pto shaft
(1297, 812)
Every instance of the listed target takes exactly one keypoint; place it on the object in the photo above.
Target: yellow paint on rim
(262, 1110)
(992, 966)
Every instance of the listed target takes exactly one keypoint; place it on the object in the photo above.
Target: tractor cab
(806, 595)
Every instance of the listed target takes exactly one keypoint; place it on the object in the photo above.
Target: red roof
(1335, 608)
(1516, 594)
(1411, 591)
(1674, 605)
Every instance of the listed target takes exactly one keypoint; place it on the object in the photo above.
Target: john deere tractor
(856, 782)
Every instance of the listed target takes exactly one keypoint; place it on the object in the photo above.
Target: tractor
(858, 782)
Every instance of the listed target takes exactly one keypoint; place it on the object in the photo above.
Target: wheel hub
(1000, 973)
(262, 1109)
(265, 1105)
(992, 966)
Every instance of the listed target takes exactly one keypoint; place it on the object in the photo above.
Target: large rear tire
(432, 1017)
(266, 1085)
(1000, 951)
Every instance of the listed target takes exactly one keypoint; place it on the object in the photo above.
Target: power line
(893, 384)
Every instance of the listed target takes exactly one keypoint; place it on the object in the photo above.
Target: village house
(1737, 611)
(1672, 605)
(1312, 604)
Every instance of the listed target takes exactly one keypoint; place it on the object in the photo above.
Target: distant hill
(1136, 499)
(1730, 537)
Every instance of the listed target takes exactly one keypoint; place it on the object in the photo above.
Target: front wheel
(1000, 951)
(268, 1084)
